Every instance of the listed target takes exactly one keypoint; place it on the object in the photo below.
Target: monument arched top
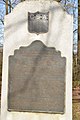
(16, 25)
(40, 5)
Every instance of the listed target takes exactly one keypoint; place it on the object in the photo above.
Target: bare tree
(78, 55)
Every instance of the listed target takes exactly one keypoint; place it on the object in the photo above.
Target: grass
(76, 111)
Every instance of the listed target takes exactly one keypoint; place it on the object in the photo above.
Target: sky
(2, 13)
(70, 10)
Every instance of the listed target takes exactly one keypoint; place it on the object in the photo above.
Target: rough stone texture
(60, 36)
(40, 73)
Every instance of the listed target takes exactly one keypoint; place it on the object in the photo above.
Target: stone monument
(37, 62)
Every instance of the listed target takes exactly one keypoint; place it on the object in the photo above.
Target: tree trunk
(6, 7)
(78, 57)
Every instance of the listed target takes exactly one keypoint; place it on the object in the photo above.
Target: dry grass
(76, 111)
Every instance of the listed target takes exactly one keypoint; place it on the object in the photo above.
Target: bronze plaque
(36, 79)
(38, 22)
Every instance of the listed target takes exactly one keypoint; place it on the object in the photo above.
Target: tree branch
(2, 21)
(8, 4)
(75, 30)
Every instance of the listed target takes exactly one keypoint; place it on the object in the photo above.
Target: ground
(76, 111)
